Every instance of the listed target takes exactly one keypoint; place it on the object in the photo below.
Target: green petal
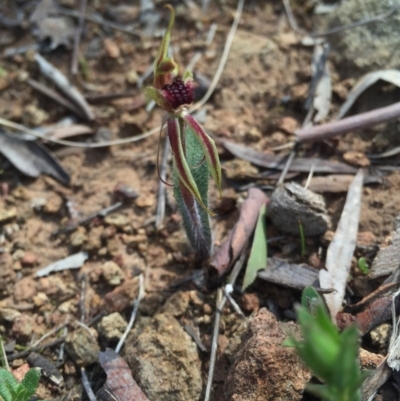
(180, 164)
(152, 93)
(209, 149)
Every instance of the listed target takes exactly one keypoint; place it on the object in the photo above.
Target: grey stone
(164, 360)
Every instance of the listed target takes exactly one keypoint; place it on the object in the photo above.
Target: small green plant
(12, 390)
(331, 356)
(363, 265)
(190, 146)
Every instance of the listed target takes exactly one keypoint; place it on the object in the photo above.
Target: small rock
(277, 139)
(29, 259)
(250, 302)
(117, 220)
(369, 360)
(165, 360)
(239, 169)
(113, 246)
(111, 48)
(356, 158)
(366, 238)
(380, 335)
(291, 203)
(122, 296)
(53, 204)
(81, 345)
(7, 214)
(288, 124)
(94, 239)
(40, 299)
(112, 273)
(176, 304)
(78, 237)
(18, 254)
(253, 134)
(112, 326)
(145, 201)
(34, 116)
(132, 77)
(25, 289)
(9, 314)
(23, 327)
(263, 368)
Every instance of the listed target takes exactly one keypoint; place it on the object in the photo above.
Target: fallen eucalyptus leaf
(120, 384)
(70, 262)
(391, 76)
(258, 254)
(341, 249)
(278, 162)
(290, 275)
(31, 158)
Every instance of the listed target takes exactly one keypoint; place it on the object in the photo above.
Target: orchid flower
(174, 94)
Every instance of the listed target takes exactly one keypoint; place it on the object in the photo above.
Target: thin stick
(38, 348)
(134, 313)
(340, 127)
(221, 300)
(50, 333)
(87, 386)
(3, 355)
(160, 214)
(310, 175)
(288, 164)
(291, 18)
(82, 298)
(77, 38)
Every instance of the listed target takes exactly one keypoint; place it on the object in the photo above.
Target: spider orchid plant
(190, 145)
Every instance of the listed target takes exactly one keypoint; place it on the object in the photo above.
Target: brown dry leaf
(290, 275)
(120, 382)
(278, 162)
(341, 249)
(241, 232)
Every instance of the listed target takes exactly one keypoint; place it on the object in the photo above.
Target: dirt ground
(258, 102)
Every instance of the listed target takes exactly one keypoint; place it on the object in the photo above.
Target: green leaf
(363, 265)
(310, 299)
(258, 254)
(30, 382)
(8, 385)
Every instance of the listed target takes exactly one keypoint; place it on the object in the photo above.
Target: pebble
(9, 314)
(29, 259)
(112, 327)
(111, 48)
(81, 345)
(380, 335)
(366, 238)
(7, 214)
(23, 327)
(78, 237)
(145, 201)
(53, 204)
(34, 116)
(356, 158)
(288, 124)
(117, 220)
(18, 254)
(176, 304)
(112, 273)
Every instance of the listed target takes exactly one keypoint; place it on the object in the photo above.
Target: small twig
(87, 386)
(3, 355)
(61, 351)
(310, 175)
(50, 333)
(291, 18)
(340, 127)
(38, 348)
(102, 213)
(77, 38)
(228, 289)
(221, 300)
(160, 213)
(289, 161)
(82, 298)
(134, 313)
(378, 18)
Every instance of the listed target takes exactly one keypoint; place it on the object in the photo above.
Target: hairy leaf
(30, 382)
